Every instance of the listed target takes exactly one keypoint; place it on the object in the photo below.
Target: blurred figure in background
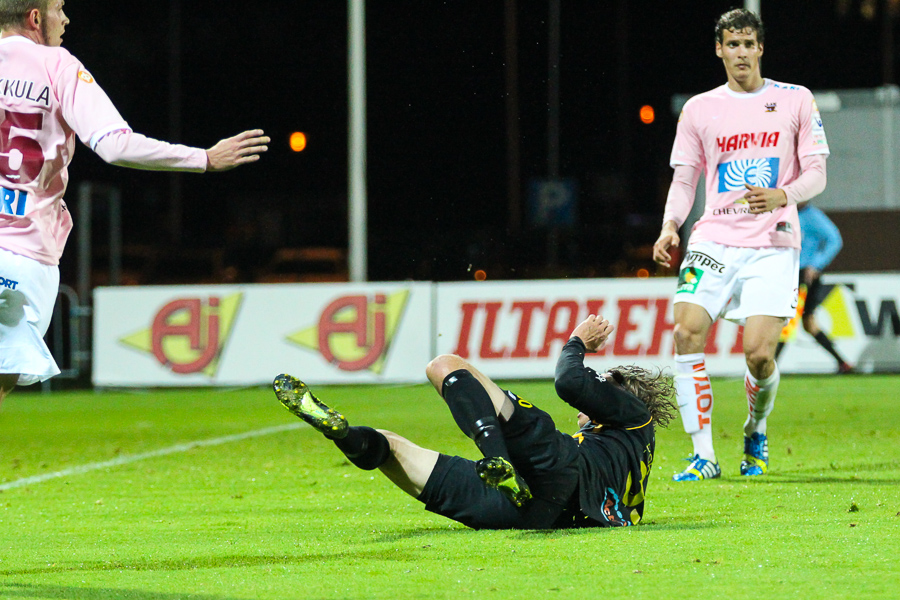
(821, 241)
(47, 98)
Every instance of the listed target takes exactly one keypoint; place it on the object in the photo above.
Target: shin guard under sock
(474, 413)
(364, 447)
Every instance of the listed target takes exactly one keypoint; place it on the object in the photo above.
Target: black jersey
(616, 448)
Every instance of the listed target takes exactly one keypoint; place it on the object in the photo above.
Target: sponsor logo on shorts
(688, 280)
(8, 283)
(761, 172)
(699, 259)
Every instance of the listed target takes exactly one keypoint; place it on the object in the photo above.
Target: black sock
(364, 447)
(826, 343)
(474, 412)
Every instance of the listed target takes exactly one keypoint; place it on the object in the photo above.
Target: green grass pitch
(283, 515)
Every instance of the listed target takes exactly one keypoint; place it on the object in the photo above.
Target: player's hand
(593, 331)
(668, 238)
(760, 199)
(238, 150)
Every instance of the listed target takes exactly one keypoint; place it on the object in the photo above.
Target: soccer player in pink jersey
(762, 149)
(47, 97)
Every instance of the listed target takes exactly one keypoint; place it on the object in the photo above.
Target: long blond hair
(655, 389)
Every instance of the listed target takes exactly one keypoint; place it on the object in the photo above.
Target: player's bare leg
(693, 389)
(761, 335)
(409, 465)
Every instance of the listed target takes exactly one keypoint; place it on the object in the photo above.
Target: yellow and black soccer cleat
(297, 398)
(499, 474)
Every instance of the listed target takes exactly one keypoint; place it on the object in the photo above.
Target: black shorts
(544, 457)
(813, 296)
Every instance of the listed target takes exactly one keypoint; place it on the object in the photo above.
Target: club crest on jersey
(771, 107)
(688, 280)
(85, 76)
(761, 172)
(816, 117)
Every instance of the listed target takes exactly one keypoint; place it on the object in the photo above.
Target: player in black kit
(533, 476)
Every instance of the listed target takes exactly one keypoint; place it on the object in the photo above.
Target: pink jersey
(46, 99)
(756, 138)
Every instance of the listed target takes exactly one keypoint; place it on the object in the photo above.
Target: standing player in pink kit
(47, 97)
(762, 148)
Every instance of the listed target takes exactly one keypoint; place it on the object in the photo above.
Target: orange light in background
(643, 273)
(480, 275)
(648, 115)
(298, 141)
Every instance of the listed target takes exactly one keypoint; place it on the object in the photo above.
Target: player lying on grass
(532, 476)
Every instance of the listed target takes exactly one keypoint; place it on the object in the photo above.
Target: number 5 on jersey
(21, 157)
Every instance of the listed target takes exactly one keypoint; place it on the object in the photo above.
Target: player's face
(740, 53)
(53, 25)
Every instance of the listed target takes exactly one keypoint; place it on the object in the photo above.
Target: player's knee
(687, 340)
(441, 366)
(759, 360)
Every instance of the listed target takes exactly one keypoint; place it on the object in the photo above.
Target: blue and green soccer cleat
(756, 455)
(499, 474)
(700, 468)
(297, 398)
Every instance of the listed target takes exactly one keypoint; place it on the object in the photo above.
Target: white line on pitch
(127, 459)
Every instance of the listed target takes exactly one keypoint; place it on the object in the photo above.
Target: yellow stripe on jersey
(639, 426)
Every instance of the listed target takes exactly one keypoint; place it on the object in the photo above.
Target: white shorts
(735, 283)
(28, 291)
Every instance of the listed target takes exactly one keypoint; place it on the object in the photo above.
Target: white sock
(760, 400)
(695, 401)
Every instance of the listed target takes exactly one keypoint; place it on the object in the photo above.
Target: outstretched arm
(127, 149)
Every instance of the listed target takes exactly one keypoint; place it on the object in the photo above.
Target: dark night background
(437, 167)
